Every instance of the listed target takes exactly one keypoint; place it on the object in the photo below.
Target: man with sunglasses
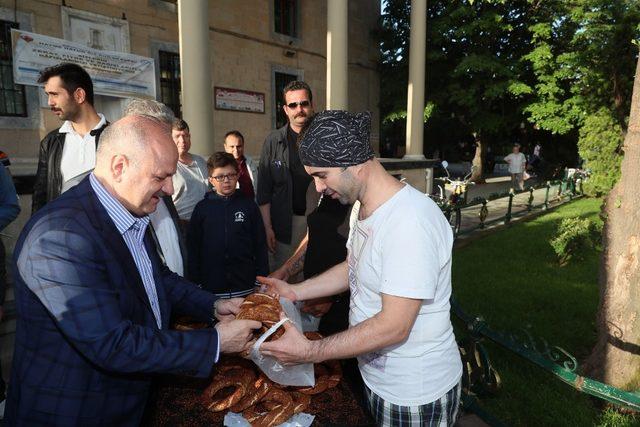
(283, 182)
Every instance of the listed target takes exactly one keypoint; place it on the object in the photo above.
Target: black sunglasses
(303, 104)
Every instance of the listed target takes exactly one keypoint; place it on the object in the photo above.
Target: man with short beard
(283, 182)
(69, 151)
(398, 269)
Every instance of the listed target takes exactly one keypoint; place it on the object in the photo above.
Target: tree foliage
(583, 61)
(563, 68)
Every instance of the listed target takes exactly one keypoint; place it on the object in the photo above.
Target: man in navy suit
(94, 300)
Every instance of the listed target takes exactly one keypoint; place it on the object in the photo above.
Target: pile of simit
(241, 387)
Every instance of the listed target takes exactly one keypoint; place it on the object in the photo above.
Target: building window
(286, 17)
(12, 99)
(170, 81)
(281, 80)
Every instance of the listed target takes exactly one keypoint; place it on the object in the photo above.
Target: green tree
(583, 60)
(616, 356)
(474, 71)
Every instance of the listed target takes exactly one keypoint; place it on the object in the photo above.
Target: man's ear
(119, 166)
(356, 170)
(79, 95)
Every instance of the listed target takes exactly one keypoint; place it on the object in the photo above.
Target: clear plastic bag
(310, 323)
(295, 375)
(298, 420)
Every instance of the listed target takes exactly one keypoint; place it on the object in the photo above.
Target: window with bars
(285, 13)
(12, 98)
(170, 81)
(281, 80)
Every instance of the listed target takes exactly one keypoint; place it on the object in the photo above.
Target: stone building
(255, 46)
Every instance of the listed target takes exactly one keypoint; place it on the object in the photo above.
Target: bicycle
(451, 205)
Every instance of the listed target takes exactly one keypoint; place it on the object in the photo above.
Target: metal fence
(480, 377)
(563, 189)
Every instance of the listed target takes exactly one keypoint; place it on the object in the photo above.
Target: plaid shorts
(442, 412)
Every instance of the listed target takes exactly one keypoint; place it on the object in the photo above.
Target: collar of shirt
(67, 126)
(122, 218)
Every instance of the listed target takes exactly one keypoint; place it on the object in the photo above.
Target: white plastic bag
(298, 420)
(310, 323)
(295, 375)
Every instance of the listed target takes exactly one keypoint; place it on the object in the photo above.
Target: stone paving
(497, 209)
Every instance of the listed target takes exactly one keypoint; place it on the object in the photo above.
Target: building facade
(255, 47)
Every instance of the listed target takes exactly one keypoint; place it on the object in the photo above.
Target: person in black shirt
(283, 182)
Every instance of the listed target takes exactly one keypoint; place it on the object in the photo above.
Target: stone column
(195, 73)
(415, 91)
(337, 67)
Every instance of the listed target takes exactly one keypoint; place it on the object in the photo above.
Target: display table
(177, 403)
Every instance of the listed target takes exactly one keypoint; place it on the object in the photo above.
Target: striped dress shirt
(132, 230)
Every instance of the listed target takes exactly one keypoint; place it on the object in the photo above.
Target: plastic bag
(310, 323)
(296, 375)
(298, 420)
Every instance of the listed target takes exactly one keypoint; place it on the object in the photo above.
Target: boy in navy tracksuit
(226, 240)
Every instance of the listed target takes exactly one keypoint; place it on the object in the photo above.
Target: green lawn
(513, 280)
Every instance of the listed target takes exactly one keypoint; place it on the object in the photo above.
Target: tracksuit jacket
(226, 245)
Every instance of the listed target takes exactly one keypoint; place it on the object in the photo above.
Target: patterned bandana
(336, 138)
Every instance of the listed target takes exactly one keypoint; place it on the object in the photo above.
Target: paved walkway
(497, 209)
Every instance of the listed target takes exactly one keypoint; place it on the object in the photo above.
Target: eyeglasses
(303, 104)
(227, 177)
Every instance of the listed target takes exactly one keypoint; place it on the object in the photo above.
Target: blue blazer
(87, 343)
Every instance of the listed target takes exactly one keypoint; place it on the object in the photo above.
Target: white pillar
(195, 73)
(337, 67)
(415, 90)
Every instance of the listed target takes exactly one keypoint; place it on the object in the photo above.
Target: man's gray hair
(151, 108)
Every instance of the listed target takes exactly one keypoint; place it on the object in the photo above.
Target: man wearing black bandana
(398, 269)
(283, 182)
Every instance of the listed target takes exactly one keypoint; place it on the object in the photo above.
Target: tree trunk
(616, 357)
(478, 162)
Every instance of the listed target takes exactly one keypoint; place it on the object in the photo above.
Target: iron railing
(565, 188)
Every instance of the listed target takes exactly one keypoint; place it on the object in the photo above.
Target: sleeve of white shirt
(410, 259)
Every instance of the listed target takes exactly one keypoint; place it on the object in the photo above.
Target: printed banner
(113, 73)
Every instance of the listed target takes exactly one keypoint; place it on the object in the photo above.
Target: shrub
(573, 237)
(599, 144)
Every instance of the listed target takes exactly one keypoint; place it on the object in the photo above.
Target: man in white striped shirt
(94, 300)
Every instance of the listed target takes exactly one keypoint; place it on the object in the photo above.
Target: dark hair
(235, 133)
(220, 159)
(73, 77)
(296, 85)
(179, 124)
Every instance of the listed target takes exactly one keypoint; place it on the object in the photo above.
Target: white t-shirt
(190, 183)
(516, 162)
(404, 249)
(167, 237)
(78, 152)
